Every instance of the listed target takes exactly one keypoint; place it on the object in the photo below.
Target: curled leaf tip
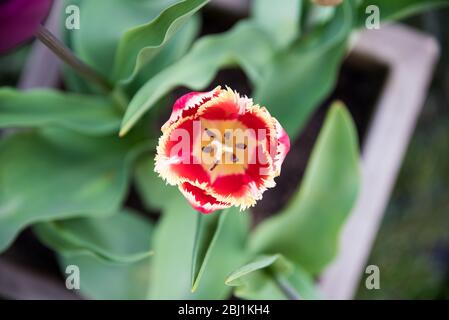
(123, 131)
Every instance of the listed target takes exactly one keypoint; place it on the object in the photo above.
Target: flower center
(224, 147)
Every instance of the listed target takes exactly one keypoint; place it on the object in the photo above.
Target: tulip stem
(286, 288)
(66, 55)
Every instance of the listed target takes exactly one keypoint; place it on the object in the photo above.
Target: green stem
(286, 287)
(64, 53)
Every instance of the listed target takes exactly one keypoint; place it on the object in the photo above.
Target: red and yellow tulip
(221, 149)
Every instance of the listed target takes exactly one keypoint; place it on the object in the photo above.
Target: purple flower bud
(19, 19)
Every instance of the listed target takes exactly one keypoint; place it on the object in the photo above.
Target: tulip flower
(221, 150)
(19, 20)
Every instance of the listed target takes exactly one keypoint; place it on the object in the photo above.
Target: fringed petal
(200, 200)
(188, 104)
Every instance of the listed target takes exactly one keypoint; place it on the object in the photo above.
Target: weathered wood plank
(411, 57)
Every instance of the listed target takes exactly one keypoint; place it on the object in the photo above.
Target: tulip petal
(175, 161)
(200, 200)
(283, 147)
(244, 190)
(231, 106)
(188, 104)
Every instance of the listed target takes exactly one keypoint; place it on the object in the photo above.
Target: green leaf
(107, 238)
(208, 229)
(56, 174)
(271, 277)
(173, 246)
(104, 22)
(275, 261)
(281, 21)
(316, 15)
(102, 280)
(299, 79)
(245, 45)
(73, 82)
(306, 232)
(43, 108)
(153, 191)
(398, 9)
(170, 52)
(140, 44)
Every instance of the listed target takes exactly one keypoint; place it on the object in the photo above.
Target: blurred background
(412, 246)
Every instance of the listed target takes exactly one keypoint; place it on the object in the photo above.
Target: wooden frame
(411, 57)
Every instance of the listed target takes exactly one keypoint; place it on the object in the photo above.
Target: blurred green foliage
(11, 65)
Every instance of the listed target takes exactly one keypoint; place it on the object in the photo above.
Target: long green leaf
(300, 78)
(271, 277)
(281, 21)
(107, 238)
(307, 231)
(104, 22)
(173, 50)
(140, 44)
(56, 174)
(245, 45)
(173, 246)
(43, 108)
(207, 232)
(276, 261)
